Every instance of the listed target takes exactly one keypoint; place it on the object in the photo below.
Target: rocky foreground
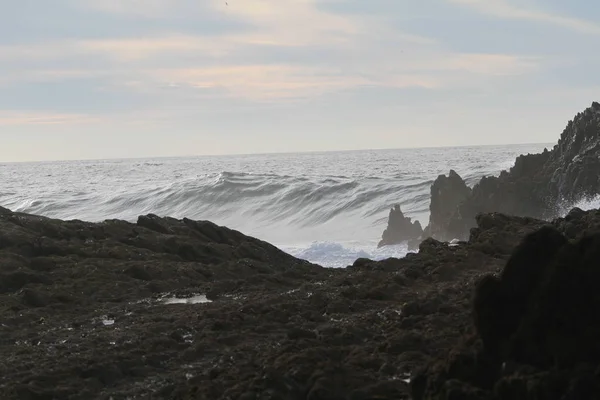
(86, 312)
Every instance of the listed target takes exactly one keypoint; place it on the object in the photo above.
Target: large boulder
(400, 229)
(536, 325)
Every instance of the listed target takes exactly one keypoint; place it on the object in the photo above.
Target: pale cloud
(278, 82)
(364, 42)
(427, 67)
(281, 75)
(14, 118)
(147, 8)
(37, 51)
(281, 23)
(57, 75)
(132, 118)
(121, 49)
(492, 64)
(291, 22)
(370, 47)
(504, 9)
(140, 48)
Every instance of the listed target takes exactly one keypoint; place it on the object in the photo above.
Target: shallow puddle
(189, 300)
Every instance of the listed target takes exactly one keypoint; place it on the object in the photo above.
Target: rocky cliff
(538, 185)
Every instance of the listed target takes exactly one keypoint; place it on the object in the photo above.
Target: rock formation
(447, 193)
(536, 325)
(83, 314)
(400, 229)
(538, 185)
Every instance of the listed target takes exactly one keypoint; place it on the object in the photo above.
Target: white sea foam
(339, 255)
(588, 204)
(198, 299)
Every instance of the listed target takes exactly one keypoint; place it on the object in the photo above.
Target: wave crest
(248, 201)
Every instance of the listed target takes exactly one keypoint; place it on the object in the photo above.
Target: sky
(86, 79)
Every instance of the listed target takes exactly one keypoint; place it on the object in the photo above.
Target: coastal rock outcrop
(538, 185)
(447, 193)
(180, 309)
(400, 228)
(535, 325)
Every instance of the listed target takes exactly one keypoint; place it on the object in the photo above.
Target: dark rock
(447, 193)
(537, 324)
(537, 186)
(153, 222)
(108, 374)
(431, 246)
(392, 389)
(91, 319)
(413, 244)
(16, 280)
(499, 303)
(575, 214)
(296, 333)
(33, 298)
(400, 229)
(29, 392)
(139, 272)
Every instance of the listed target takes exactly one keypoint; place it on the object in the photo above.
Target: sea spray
(328, 207)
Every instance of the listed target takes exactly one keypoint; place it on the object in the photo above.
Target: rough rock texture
(538, 185)
(83, 316)
(447, 193)
(536, 324)
(400, 229)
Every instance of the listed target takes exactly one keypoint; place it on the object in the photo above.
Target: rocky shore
(181, 309)
(540, 185)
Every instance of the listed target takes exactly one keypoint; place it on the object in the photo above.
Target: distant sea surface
(329, 208)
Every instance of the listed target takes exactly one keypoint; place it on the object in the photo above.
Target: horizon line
(274, 153)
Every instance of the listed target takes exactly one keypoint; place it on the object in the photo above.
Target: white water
(198, 299)
(329, 208)
(587, 204)
(336, 254)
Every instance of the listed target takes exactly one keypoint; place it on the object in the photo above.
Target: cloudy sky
(128, 78)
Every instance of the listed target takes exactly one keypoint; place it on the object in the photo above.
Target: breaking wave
(320, 206)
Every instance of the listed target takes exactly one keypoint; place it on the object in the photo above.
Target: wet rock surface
(535, 324)
(83, 314)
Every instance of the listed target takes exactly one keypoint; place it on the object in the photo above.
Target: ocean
(329, 208)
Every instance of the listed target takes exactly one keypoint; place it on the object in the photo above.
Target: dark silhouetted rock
(536, 324)
(447, 193)
(499, 303)
(400, 229)
(115, 309)
(538, 185)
